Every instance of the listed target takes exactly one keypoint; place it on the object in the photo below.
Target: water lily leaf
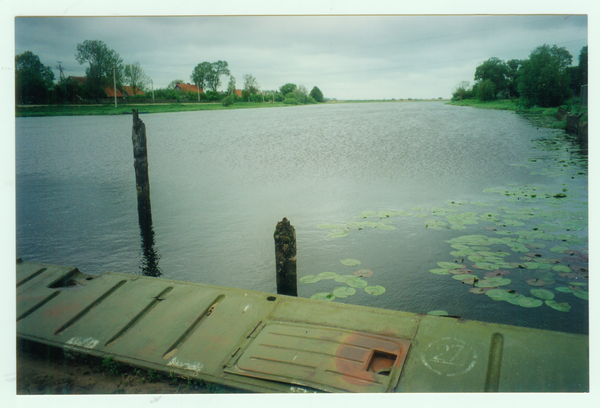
(461, 271)
(582, 295)
(559, 249)
(578, 283)
(561, 307)
(357, 282)
(542, 294)
(478, 291)
(463, 276)
(343, 292)
(536, 282)
(525, 301)
(375, 290)
(323, 296)
(438, 313)
(470, 280)
(365, 273)
(450, 265)
(350, 262)
(567, 275)
(562, 268)
(441, 271)
(338, 234)
(310, 279)
(328, 275)
(344, 278)
(492, 282)
(332, 226)
(564, 289)
(487, 266)
(579, 269)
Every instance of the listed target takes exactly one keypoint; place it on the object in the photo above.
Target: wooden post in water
(285, 258)
(140, 162)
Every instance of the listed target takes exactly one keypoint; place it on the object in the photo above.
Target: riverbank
(551, 118)
(86, 110)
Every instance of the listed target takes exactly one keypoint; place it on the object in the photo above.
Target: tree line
(546, 79)
(35, 82)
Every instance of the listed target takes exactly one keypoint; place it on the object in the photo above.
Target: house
(129, 91)
(238, 92)
(188, 88)
(109, 89)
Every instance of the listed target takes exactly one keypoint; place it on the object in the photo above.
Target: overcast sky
(347, 57)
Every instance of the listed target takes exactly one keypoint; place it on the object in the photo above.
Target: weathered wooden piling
(285, 258)
(140, 163)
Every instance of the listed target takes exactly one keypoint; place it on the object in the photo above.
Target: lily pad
(365, 273)
(562, 268)
(561, 307)
(440, 271)
(328, 275)
(478, 291)
(344, 278)
(559, 249)
(525, 301)
(536, 282)
(463, 276)
(357, 282)
(450, 265)
(350, 262)
(492, 282)
(375, 290)
(542, 294)
(470, 280)
(323, 296)
(343, 292)
(338, 234)
(582, 295)
(438, 313)
(310, 279)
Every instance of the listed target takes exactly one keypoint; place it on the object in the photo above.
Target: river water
(386, 184)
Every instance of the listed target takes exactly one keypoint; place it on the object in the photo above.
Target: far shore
(125, 108)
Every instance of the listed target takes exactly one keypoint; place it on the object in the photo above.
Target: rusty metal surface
(327, 359)
(263, 342)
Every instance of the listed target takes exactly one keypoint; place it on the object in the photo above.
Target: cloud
(348, 57)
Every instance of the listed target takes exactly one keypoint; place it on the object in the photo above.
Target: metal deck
(262, 342)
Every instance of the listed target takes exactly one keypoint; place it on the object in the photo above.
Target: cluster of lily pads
(477, 251)
(353, 282)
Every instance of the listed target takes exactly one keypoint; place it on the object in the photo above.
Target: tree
(316, 94)
(135, 77)
(251, 86)
(512, 77)
(33, 79)
(486, 91)
(301, 93)
(231, 85)
(495, 70)
(461, 91)
(101, 60)
(287, 88)
(174, 83)
(219, 69)
(201, 74)
(583, 67)
(544, 80)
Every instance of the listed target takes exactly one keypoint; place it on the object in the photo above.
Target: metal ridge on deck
(262, 342)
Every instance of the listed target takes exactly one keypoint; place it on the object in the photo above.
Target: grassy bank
(82, 110)
(540, 117)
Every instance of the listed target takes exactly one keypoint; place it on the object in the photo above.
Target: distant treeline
(35, 82)
(546, 79)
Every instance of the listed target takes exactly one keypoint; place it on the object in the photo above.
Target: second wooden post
(285, 258)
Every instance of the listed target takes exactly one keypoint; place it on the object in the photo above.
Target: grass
(83, 110)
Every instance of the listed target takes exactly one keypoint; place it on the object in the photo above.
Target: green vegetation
(546, 79)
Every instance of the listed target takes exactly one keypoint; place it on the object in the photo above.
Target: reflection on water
(150, 257)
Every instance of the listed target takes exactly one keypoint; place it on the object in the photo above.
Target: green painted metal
(262, 342)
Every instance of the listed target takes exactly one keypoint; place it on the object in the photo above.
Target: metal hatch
(323, 358)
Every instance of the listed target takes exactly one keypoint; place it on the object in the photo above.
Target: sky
(346, 57)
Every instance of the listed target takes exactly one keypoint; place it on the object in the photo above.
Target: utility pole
(115, 86)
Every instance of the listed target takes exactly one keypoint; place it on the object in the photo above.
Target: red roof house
(188, 88)
(129, 91)
(238, 92)
(109, 89)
